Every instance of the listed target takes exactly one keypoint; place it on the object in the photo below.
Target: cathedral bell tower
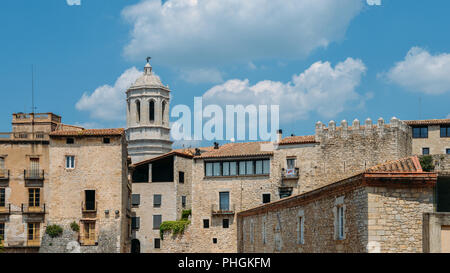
(148, 129)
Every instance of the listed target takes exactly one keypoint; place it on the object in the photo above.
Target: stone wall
(100, 167)
(386, 219)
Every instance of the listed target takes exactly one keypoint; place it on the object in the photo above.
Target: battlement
(344, 131)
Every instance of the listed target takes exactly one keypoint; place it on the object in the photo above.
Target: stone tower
(148, 129)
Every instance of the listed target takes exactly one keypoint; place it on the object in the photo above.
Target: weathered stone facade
(100, 168)
(380, 215)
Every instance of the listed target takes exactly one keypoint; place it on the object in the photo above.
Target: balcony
(34, 178)
(89, 207)
(216, 210)
(289, 173)
(87, 240)
(34, 243)
(4, 177)
(5, 210)
(27, 209)
(285, 191)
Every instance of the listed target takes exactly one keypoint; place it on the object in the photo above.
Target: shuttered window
(135, 222)
(135, 199)
(157, 200)
(157, 219)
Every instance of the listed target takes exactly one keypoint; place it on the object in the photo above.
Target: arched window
(138, 111)
(163, 112)
(151, 110)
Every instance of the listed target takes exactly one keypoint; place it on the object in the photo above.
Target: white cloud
(201, 75)
(208, 33)
(108, 102)
(73, 2)
(374, 2)
(420, 71)
(320, 88)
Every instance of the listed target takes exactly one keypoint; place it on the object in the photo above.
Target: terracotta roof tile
(90, 132)
(403, 165)
(427, 122)
(241, 149)
(297, 140)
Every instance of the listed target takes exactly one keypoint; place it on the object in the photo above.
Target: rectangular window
(216, 169)
(420, 132)
(70, 140)
(89, 233)
(157, 199)
(233, 168)
(205, 223)
(180, 177)
(224, 201)
(425, 151)
(266, 166)
(2, 232)
(34, 198)
(290, 163)
(2, 197)
(209, 169)
(34, 167)
(135, 222)
(33, 234)
(183, 201)
(445, 130)
(300, 229)
(157, 243)
(89, 199)
(70, 162)
(2, 163)
(340, 212)
(226, 168)
(447, 151)
(157, 220)
(225, 223)
(266, 198)
(259, 167)
(135, 199)
(106, 140)
(242, 168)
(249, 167)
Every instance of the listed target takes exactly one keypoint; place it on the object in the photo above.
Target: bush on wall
(54, 231)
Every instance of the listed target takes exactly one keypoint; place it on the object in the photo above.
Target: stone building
(24, 177)
(90, 190)
(162, 189)
(148, 131)
(430, 137)
(378, 210)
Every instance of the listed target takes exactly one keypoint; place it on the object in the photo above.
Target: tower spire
(148, 67)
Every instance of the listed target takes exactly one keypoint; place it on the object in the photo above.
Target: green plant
(185, 214)
(54, 231)
(426, 162)
(177, 227)
(1, 244)
(74, 226)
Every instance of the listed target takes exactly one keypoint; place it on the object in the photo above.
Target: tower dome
(148, 131)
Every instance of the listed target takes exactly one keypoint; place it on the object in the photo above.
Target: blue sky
(320, 59)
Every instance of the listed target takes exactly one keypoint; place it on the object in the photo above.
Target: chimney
(216, 145)
(279, 135)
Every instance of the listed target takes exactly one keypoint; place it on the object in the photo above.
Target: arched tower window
(151, 110)
(138, 111)
(163, 112)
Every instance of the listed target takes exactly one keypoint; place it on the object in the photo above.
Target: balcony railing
(290, 173)
(30, 209)
(6, 209)
(220, 210)
(88, 241)
(24, 136)
(33, 174)
(4, 174)
(89, 206)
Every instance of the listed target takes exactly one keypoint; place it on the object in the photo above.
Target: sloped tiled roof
(90, 132)
(404, 165)
(427, 122)
(297, 140)
(241, 149)
(187, 152)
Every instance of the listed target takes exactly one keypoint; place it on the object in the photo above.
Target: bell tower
(148, 129)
